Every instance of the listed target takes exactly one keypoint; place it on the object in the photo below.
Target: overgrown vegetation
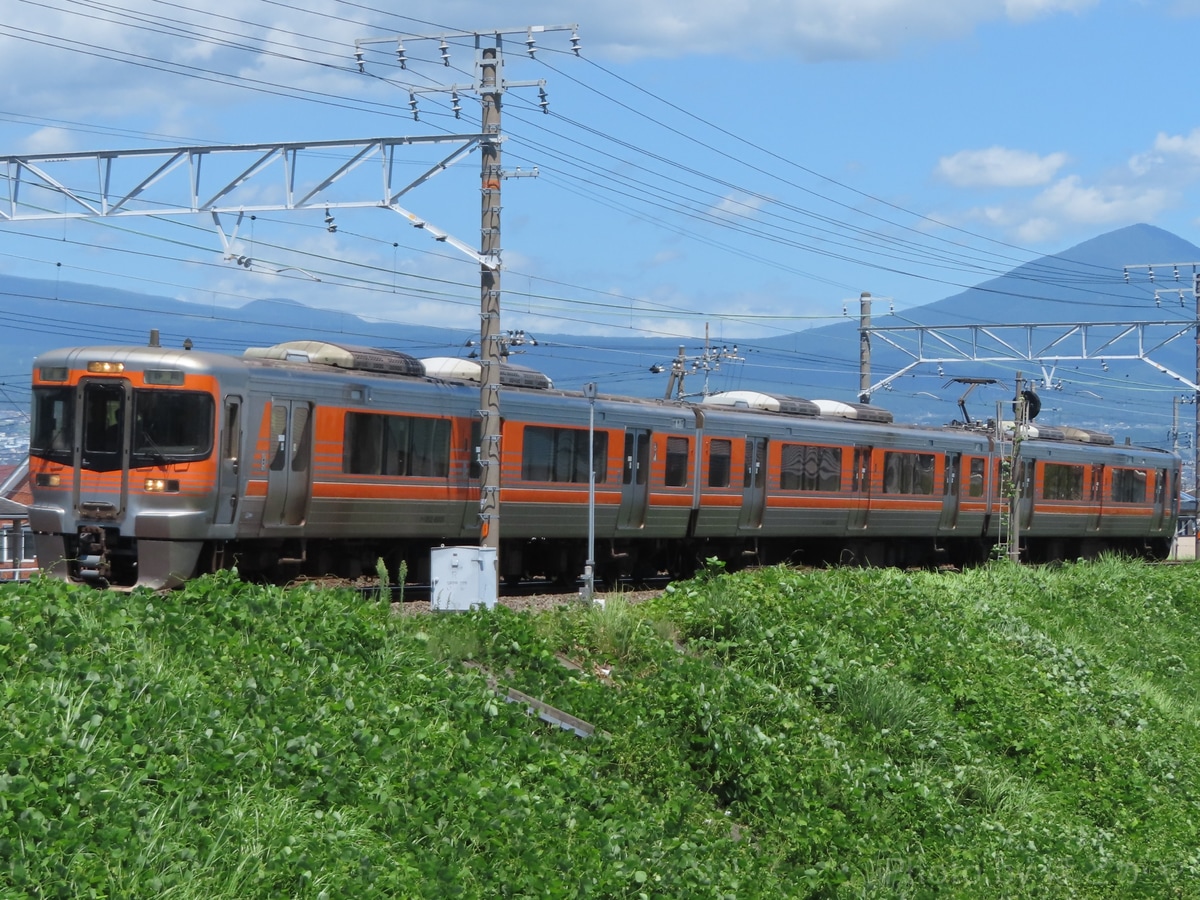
(1007, 732)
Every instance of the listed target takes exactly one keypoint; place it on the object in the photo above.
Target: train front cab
(122, 467)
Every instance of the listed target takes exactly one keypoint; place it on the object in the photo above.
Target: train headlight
(105, 367)
(44, 480)
(162, 486)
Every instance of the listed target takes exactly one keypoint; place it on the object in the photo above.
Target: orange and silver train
(151, 465)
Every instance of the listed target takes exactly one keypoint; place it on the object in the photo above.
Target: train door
(471, 523)
(635, 482)
(1025, 492)
(227, 474)
(289, 476)
(950, 492)
(1096, 497)
(860, 487)
(104, 438)
(754, 483)
(1158, 518)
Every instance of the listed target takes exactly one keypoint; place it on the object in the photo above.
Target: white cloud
(999, 167)
(1025, 10)
(736, 206)
(1070, 199)
(1070, 206)
(49, 140)
(1167, 148)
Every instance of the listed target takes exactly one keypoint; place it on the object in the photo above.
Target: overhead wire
(323, 101)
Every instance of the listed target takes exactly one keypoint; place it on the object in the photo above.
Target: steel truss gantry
(226, 180)
(1045, 344)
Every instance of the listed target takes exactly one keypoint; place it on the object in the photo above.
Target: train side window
(1062, 482)
(810, 468)
(975, 482)
(719, 452)
(430, 448)
(1129, 485)
(375, 444)
(561, 455)
(677, 461)
(908, 473)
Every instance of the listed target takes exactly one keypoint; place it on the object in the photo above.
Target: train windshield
(53, 427)
(170, 427)
(167, 426)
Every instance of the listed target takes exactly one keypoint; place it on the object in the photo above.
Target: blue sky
(743, 167)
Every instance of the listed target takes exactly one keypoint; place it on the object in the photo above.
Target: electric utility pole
(489, 86)
(864, 348)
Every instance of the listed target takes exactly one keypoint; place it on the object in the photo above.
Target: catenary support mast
(490, 85)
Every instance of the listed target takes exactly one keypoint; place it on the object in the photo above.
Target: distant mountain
(1082, 284)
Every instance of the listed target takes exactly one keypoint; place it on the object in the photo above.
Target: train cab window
(908, 473)
(53, 427)
(677, 461)
(1062, 482)
(975, 479)
(808, 468)
(1129, 485)
(171, 427)
(719, 452)
(103, 418)
(561, 454)
(403, 446)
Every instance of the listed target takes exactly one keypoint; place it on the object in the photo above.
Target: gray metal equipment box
(462, 577)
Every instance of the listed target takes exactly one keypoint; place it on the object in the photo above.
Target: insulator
(575, 42)
(1176, 268)
(445, 53)
(529, 44)
(1127, 274)
(412, 106)
(358, 58)
(454, 105)
(400, 57)
(1151, 268)
(543, 102)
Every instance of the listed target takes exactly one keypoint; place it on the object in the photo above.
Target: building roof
(12, 510)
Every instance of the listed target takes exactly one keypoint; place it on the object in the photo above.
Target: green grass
(1006, 732)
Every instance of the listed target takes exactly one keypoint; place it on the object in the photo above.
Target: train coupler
(92, 556)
